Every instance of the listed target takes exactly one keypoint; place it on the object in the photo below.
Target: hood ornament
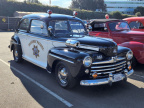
(72, 43)
(115, 51)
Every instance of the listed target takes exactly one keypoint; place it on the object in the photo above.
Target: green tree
(139, 9)
(138, 14)
(116, 14)
(88, 4)
(33, 1)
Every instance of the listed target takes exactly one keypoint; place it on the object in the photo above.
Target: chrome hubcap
(62, 75)
(16, 54)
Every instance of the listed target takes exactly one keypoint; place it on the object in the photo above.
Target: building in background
(124, 6)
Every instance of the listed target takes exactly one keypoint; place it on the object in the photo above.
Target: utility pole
(50, 2)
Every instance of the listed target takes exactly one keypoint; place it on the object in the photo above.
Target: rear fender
(15, 41)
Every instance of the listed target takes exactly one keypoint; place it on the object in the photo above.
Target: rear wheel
(17, 55)
(64, 76)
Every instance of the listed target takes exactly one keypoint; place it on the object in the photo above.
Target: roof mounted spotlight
(49, 12)
(75, 13)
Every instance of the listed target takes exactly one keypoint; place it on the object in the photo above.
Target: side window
(59, 27)
(135, 24)
(38, 27)
(77, 27)
(24, 24)
(123, 25)
(99, 27)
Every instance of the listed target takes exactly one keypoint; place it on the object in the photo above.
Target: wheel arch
(54, 65)
(74, 60)
(14, 41)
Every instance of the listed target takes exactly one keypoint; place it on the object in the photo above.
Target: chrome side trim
(95, 48)
(97, 67)
(49, 72)
(61, 58)
(112, 60)
(108, 80)
(108, 69)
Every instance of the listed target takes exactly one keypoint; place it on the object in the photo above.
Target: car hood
(92, 41)
(104, 45)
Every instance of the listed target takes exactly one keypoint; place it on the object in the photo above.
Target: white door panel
(35, 49)
(23, 39)
(38, 49)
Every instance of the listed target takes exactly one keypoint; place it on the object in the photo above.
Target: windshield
(116, 26)
(67, 28)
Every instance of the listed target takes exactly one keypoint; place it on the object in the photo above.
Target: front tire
(17, 54)
(64, 76)
(134, 62)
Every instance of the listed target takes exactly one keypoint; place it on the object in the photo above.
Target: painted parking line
(38, 84)
(139, 75)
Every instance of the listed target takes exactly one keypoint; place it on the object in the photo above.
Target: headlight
(87, 61)
(129, 55)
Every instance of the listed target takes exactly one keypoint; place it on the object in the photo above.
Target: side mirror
(105, 29)
(50, 30)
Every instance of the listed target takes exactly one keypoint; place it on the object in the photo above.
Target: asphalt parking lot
(25, 85)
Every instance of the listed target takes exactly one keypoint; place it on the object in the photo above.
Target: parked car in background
(120, 32)
(136, 23)
(61, 45)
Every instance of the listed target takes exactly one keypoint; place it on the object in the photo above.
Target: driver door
(38, 44)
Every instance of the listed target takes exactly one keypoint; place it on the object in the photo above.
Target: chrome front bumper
(109, 80)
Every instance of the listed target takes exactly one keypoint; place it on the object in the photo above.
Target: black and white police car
(61, 45)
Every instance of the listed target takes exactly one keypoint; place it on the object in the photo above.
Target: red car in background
(120, 32)
(136, 23)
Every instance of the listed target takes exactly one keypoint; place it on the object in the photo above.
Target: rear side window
(24, 25)
(98, 27)
(135, 25)
(38, 27)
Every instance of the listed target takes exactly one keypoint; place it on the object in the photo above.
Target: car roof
(45, 16)
(103, 20)
(134, 18)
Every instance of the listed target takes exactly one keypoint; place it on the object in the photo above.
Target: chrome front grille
(115, 65)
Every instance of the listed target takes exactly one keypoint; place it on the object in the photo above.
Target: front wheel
(64, 76)
(17, 55)
(134, 62)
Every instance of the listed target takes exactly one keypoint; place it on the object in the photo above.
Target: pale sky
(61, 3)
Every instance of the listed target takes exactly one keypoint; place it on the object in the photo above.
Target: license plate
(117, 77)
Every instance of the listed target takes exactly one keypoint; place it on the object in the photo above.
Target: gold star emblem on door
(35, 51)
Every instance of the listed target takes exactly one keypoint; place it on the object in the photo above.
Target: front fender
(15, 41)
(73, 59)
(122, 51)
(137, 48)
